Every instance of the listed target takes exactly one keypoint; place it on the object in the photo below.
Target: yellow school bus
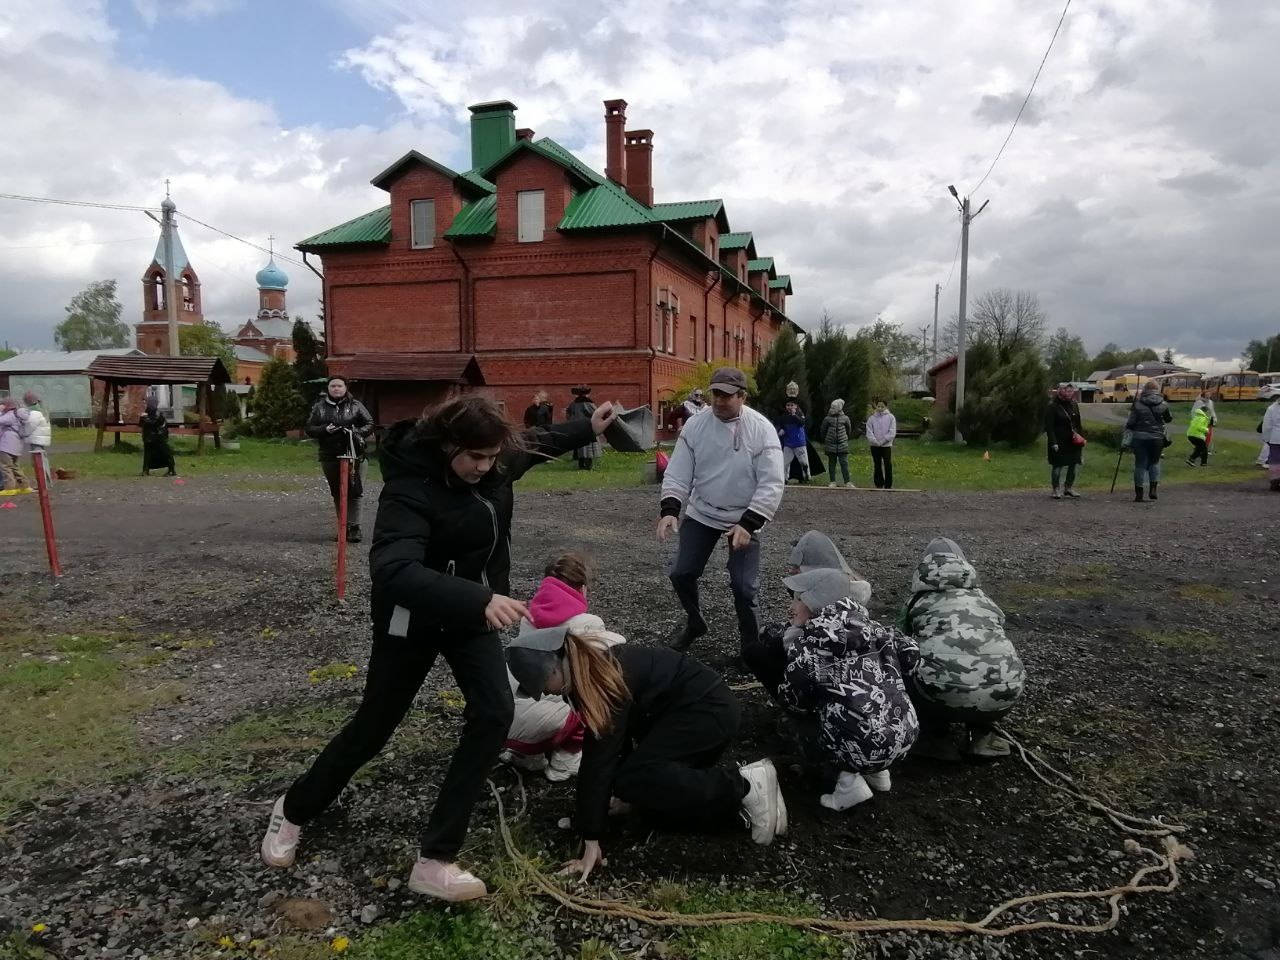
(1120, 389)
(1234, 386)
(1180, 386)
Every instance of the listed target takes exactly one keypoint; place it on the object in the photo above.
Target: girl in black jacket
(332, 416)
(657, 722)
(440, 568)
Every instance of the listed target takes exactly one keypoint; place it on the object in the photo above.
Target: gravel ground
(1100, 594)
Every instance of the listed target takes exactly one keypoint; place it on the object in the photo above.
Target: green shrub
(1104, 434)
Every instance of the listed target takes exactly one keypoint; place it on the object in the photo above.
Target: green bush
(279, 405)
(1104, 434)
(1005, 399)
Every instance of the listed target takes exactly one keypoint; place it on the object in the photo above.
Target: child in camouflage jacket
(969, 671)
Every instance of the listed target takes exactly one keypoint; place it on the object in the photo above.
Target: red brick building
(532, 271)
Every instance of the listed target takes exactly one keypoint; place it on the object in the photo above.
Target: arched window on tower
(154, 291)
(188, 292)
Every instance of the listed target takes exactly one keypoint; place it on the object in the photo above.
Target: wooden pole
(102, 417)
(46, 512)
(115, 407)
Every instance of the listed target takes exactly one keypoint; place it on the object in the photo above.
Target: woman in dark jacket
(582, 408)
(1145, 425)
(657, 723)
(1062, 426)
(540, 413)
(332, 416)
(156, 451)
(440, 568)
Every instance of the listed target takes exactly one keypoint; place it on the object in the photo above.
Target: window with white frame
(531, 215)
(422, 224)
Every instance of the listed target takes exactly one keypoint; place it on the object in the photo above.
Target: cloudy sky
(1138, 196)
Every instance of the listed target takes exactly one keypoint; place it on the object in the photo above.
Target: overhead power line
(76, 203)
(1025, 100)
(232, 236)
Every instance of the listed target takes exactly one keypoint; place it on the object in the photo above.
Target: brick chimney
(524, 133)
(615, 122)
(639, 165)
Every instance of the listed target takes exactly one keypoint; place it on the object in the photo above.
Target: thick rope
(1162, 862)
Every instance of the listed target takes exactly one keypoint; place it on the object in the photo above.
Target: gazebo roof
(150, 370)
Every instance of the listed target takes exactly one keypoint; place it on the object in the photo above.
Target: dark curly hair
(470, 422)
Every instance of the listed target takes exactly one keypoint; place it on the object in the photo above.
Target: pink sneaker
(445, 881)
(281, 841)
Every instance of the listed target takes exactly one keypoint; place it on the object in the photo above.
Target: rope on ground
(1164, 861)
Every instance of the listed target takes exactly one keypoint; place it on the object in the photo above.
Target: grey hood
(816, 551)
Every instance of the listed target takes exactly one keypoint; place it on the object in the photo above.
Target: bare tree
(1008, 320)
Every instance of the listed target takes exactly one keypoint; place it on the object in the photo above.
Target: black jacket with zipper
(347, 412)
(442, 546)
(661, 681)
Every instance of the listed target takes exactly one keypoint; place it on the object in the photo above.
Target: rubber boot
(1137, 493)
(1151, 494)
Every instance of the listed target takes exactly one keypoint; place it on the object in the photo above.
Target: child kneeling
(847, 670)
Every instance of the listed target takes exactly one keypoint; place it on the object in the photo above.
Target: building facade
(532, 271)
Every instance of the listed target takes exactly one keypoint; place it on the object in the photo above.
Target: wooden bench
(206, 428)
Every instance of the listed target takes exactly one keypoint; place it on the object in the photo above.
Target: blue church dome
(272, 277)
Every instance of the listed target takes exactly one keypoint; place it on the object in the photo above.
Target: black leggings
(1199, 450)
(397, 670)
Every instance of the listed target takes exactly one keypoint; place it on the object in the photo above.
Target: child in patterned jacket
(848, 670)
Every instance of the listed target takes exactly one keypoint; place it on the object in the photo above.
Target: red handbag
(1078, 439)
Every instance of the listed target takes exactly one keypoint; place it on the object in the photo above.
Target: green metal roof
(688, 210)
(372, 227)
(783, 283)
(764, 263)
(605, 205)
(479, 218)
(473, 177)
(735, 241)
(384, 179)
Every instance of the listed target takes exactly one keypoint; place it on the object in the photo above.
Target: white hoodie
(720, 470)
(36, 431)
(882, 427)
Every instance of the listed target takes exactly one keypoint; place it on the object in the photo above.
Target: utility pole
(924, 353)
(966, 218)
(937, 292)
(170, 281)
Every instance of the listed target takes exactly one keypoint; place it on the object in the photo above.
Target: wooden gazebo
(208, 375)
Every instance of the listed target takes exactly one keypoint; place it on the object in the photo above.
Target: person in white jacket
(726, 475)
(882, 427)
(37, 432)
(1271, 436)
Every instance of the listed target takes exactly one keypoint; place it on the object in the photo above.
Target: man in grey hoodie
(726, 476)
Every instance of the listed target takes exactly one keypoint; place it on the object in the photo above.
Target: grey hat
(818, 589)
(944, 545)
(533, 654)
(815, 551)
(728, 380)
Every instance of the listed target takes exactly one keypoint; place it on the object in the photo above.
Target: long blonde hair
(597, 687)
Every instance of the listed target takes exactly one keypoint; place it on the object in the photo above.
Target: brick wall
(394, 317)
(557, 311)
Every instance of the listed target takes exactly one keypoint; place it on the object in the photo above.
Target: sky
(1138, 196)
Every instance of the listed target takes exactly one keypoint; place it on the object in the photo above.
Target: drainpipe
(465, 307)
(706, 319)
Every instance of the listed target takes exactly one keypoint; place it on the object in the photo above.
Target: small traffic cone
(986, 456)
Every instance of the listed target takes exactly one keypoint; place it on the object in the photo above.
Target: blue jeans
(1055, 475)
(1146, 460)
(697, 542)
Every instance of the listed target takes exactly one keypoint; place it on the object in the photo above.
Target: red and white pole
(344, 481)
(46, 512)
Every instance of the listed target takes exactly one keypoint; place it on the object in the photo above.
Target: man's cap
(728, 380)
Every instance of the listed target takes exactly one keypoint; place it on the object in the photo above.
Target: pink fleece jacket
(554, 602)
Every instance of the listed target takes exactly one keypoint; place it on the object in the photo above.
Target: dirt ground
(1149, 633)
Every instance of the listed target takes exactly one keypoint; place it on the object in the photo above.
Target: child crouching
(546, 734)
(848, 671)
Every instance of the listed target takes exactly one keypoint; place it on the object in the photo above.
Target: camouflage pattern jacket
(966, 661)
(847, 670)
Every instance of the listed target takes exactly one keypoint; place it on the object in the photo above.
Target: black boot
(1137, 493)
(353, 533)
(1151, 494)
(682, 639)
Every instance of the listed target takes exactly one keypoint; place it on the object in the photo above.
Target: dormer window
(531, 215)
(422, 226)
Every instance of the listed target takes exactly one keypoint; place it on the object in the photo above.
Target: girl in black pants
(440, 567)
(657, 723)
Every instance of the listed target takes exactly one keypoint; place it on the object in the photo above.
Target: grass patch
(1232, 415)
(254, 457)
(333, 671)
(1057, 591)
(732, 942)
(67, 720)
(18, 946)
(1205, 592)
(437, 935)
(1179, 639)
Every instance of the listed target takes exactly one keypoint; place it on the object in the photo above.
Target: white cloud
(1137, 196)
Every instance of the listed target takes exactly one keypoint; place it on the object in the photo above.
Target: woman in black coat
(332, 416)
(440, 569)
(1062, 427)
(156, 451)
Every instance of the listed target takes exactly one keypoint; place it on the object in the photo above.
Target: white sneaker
(760, 805)
(563, 765)
(280, 844)
(850, 791)
(833, 484)
(445, 881)
(879, 781)
(533, 762)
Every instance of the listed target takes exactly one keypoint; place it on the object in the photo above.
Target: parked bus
(1243, 385)
(1268, 385)
(1180, 386)
(1121, 389)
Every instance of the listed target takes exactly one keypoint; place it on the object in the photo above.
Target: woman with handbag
(1066, 441)
(1147, 418)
